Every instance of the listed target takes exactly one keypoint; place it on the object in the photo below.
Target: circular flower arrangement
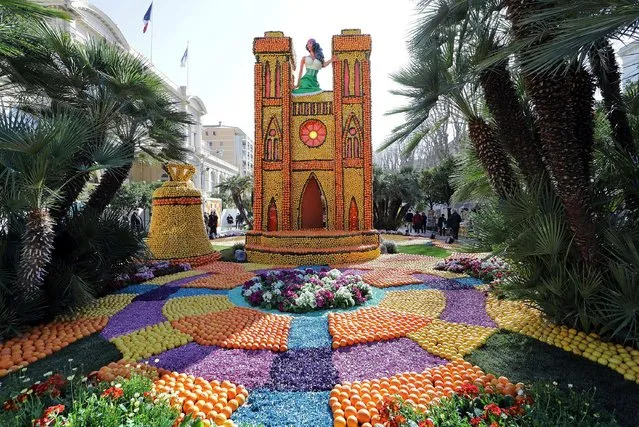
(300, 291)
(313, 133)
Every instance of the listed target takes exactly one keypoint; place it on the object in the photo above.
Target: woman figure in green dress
(308, 84)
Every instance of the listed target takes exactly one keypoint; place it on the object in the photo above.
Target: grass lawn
(524, 359)
(423, 250)
(85, 355)
(226, 251)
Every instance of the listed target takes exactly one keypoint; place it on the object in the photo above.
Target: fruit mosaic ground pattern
(316, 369)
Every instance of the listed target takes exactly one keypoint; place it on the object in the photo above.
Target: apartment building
(230, 144)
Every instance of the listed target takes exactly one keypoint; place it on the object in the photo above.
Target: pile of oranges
(124, 369)
(520, 317)
(355, 404)
(163, 280)
(451, 340)
(226, 275)
(177, 308)
(211, 401)
(429, 303)
(239, 327)
(386, 277)
(370, 325)
(150, 340)
(41, 341)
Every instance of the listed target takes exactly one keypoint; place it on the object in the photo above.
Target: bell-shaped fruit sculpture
(177, 232)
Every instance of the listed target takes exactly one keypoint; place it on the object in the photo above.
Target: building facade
(230, 144)
(88, 21)
(629, 55)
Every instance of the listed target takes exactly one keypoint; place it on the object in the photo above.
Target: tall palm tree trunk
(35, 255)
(110, 183)
(517, 137)
(606, 70)
(492, 157)
(564, 155)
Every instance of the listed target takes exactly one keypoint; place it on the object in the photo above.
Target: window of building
(206, 133)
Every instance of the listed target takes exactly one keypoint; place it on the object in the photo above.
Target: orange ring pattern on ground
(370, 325)
(386, 277)
(239, 327)
(361, 398)
(318, 258)
(43, 340)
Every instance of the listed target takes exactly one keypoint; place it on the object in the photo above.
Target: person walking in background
(136, 221)
(453, 222)
(206, 224)
(238, 221)
(441, 225)
(213, 225)
(408, 219)
(417, 222)
(424, 222)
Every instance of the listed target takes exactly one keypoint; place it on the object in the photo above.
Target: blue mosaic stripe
(309, 332)
(285, 409)
(136, 289)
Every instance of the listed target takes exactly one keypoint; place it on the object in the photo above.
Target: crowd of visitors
(419, 223)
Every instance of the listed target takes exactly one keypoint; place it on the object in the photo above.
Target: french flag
(147, 18)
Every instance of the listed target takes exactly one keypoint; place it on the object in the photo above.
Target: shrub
(389, 247)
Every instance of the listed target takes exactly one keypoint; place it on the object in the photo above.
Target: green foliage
(393, 194)
(469, 178)
(530, 361)
(435, 183)
(433, 251)
(388, 247)
(134, 195)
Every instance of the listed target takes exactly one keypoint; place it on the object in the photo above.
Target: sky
(221, 33)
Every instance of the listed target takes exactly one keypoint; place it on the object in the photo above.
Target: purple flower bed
(135, 316)
(308, 369)
(428, 278)
(180, 359)
(487, 270)
(300, 291)
(382, 359)
(158, 294)
(466, 306)
(144, 272)
(247, 367)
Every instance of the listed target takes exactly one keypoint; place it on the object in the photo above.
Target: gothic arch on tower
(353, 216)
(353, 138)
(267, 80)
(273, 141)
(271, 220)
(312, 205)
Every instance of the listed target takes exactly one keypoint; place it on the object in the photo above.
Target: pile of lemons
(105, 306)
(177, 308)
(428, 302)
(451, 340)
(520, 317)
(151, 340)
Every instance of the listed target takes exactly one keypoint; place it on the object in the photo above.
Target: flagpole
(187, 65)
(152, 26)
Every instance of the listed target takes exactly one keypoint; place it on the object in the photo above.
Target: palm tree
(119, 93)
(238, 186)
(36, 155)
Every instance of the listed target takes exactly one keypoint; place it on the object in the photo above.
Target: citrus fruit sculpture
(177, 231)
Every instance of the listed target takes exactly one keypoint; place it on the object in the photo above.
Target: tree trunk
(35, 255)
(110, 183)
(240, 207)
(492, 157)
(606, 71)
(515, 135)
(581, 101)
(558, 108)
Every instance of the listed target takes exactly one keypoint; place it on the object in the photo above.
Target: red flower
(57, 380)
(426, 423)
(40, 389)
(494, 424)
(468, 390)
(55, 393)
(475, 421)
(53, 410)
(400, 419)
(113, 392)
(493, 409)
(22, 397)
(10, 405)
